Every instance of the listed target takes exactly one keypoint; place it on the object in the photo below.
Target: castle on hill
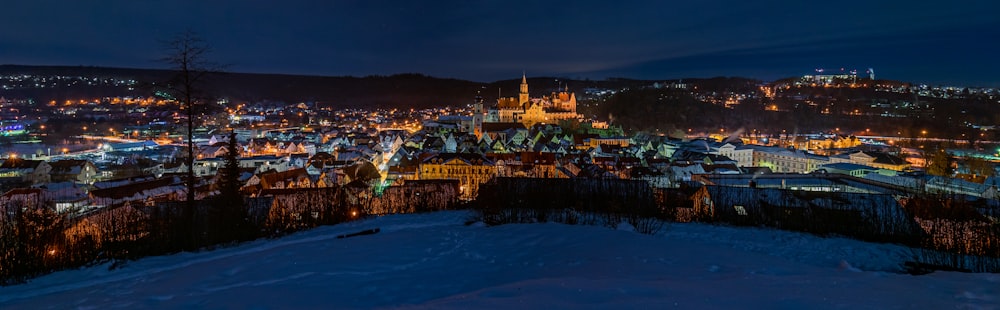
(530, 111)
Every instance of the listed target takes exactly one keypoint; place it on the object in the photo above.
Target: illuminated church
(530, 111)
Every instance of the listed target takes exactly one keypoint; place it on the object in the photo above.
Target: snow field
(434, 261)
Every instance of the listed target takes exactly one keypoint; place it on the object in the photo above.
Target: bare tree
(187, 53)
(938, 163)
(980, 166)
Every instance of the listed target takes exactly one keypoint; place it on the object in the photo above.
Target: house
(213, 151)
(874, 159)
(742, 155)
(265, 162)
(173, 167)
(144, 192)
(24, 170)
(854, 170)
(73, 170)
(151, 168)
(292, 178)
(103, 184)
(619, 141)
(299, 160)
(592, 171)
(209, 166)
(322, 160)
(679, 173)
(946, 185)
(130, 146)
(400, 174)
(470, 170)
(607, 150)
(66, 196)
(786, 160)
(717, 168)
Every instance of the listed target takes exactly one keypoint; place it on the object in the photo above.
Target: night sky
(951, 42)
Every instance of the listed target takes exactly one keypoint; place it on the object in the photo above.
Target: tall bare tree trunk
(186, 53)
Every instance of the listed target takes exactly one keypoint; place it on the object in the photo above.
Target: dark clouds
(485, 40)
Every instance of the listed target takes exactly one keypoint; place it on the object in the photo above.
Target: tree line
(35, 240)
(945, 232)
(606, 202)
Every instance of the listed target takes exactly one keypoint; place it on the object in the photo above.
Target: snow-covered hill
(435, 261)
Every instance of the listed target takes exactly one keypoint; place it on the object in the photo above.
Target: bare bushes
(605, 202)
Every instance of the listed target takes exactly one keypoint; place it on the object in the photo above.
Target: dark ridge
(409, 90)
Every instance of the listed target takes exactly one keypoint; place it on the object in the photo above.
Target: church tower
(477, 117)
(571, 105)
(523, 96)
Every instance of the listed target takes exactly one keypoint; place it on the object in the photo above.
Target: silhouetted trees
(606, 202)
(939, 163)
(31, 240)
(187, 54)
(228, 217)
(979, 166)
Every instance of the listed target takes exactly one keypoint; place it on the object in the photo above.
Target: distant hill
(403, 89)
(400, 90)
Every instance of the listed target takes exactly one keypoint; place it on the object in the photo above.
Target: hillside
(403, 89)
(435, 261)
(796, 110)
(400, 90)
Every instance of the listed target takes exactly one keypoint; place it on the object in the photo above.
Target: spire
(523, 95)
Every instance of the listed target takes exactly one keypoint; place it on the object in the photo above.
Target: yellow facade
(788, 161)
(469, 169)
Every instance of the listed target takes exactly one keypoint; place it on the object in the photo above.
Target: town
(545, 136)
(494, 155)
(124, 157)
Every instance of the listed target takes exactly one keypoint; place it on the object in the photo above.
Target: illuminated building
(529, 111)
(470, 170)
